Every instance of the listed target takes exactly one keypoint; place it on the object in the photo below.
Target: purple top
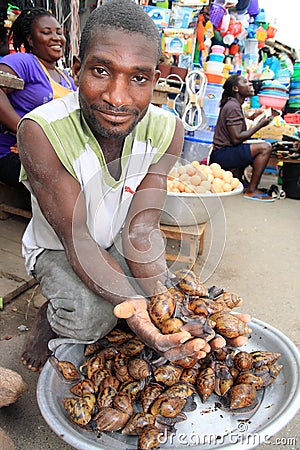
(37, 90)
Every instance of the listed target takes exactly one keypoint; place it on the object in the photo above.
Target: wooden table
(193, 235)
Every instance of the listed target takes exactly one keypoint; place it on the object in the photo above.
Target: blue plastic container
(212, 97)
(216, 57)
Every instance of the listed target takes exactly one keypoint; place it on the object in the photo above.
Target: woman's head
(39, 32)
(236, 86)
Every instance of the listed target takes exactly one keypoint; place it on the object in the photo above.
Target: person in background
(94, 241)
(230, 147)
(39, 33)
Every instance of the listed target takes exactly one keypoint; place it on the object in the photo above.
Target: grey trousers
(75, 313)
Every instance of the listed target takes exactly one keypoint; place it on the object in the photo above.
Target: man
(230, 148)
(98, 173)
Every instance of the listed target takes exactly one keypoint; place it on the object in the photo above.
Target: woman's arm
(8, 116)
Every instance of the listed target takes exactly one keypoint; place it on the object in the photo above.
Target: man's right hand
(171, 346)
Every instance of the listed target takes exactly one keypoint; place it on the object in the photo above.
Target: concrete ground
(260, 262)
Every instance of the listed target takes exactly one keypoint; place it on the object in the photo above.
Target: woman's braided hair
(228, 92)
(23, 25)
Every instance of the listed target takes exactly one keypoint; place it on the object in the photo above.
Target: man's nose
(117, 93)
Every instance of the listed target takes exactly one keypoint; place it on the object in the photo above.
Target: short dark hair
(228, 92)
(23, 26)
(123, 15)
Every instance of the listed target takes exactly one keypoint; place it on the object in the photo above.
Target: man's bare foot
(36, 351)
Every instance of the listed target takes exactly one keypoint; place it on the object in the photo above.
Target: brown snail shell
(121, 368)
(261, 358)
(133, 388)
(123, 402)
(132, 347)
(167, 406)
(149, 394)
(178, 295)
(190, 284)
(180, 390)
(229, 325)
(109, 381)
(90, 349)
(106, 396)
(78, 410)
(190, 375)
(231, 299)
(187, 362)
(171, 326)
(138, 369)
(150, 438)
(66, 369)
(161, 307)
(83, 387)
(137, 423)
(205, 383)
(268, 373)
(98, 376)
(119, 337)
(91, 402)
(167, 374)
(243, 361)
(96, 362)
(204, 306)
(223, 378)
(110, 419)
(242, 395)
(250, 378)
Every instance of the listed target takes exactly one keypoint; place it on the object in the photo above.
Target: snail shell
(96, 362)
(106, 396)
(110, 419)
(231, 300)
(167, 374)
(83, 387)
(109, 381)
(90, 349)
(268, 373)
(171, 326)
(150, 438)
(149, 394)
(178, 295)
(138, 369)
(78, 410)
(137, 423)
(250, 378)
(161, 307)
(190, 375)
(133, 388)
(123, 402)
(132, 347)
(180, 390)
(187, 363)
(66, 369)
(190, 284)
(261, 358)
(121, 368)
(204, 306)
(167, 406)
(243, 361)
(119, 337)
(91, 402)
(98, 376)
(229, 325)
(205, 383)
(242, 395)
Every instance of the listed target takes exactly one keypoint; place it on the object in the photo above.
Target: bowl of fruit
(196, 191)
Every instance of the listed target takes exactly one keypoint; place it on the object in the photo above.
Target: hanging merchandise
(194, 117)
(177, 41)
(216, 14)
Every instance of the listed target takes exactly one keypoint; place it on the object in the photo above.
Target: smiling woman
(38, 32)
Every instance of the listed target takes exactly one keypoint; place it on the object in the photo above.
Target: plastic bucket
(212, 97)
(195, 149)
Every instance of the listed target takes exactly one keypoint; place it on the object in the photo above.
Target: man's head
(236, 86)
(123, 15)
(119, 51)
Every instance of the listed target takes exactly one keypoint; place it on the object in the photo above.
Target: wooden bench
(13, 202)
(193, 235)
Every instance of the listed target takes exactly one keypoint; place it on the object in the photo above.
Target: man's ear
(76, 66)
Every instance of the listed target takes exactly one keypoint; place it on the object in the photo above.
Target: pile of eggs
(196, 178)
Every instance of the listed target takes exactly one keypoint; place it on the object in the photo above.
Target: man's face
(116, 82)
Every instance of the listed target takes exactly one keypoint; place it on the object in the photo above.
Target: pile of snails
(125, 386)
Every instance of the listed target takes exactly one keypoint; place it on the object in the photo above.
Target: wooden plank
(19, 290)
(6, 210)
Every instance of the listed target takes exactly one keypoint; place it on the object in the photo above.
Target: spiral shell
(119, 337)
(161, 307)
(261, 358)
(137, 423)
(66, 369)
(123, 402)
(167, 406)
(250, 378)
(121, 368)
(138, 369)
(205, 383)
(243, 361)
(167, 374)
(106, 396)
(171, 326)
(190, 375)
(190, 284)
(78, 410)
(204, 306)
(149, 394)
(187, 362)
(133, 388)
(242, 395)
(132, 347)
(150, 438)
(83, 387)
(229, 325)
(98, 376)
(231, 300)
(180, 390)
(110, 419)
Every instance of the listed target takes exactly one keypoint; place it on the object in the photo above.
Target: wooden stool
(12, 201)
(194, 235)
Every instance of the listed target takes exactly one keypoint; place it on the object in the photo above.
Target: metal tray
(207, 427)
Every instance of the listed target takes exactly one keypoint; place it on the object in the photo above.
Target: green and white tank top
(107, 200)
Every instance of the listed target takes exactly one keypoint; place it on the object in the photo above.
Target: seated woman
(230, 149)
(38, 32)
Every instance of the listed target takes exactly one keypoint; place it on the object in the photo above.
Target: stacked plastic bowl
(273, 94)
(294, 98)
(215, 65)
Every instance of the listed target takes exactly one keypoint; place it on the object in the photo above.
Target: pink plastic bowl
(272, 101)
(218, 49)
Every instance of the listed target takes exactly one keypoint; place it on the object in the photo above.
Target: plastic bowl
(218, 49)
(214, 67)
(214, 78)
(272, 101)
(216, 57)
(182, 209)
